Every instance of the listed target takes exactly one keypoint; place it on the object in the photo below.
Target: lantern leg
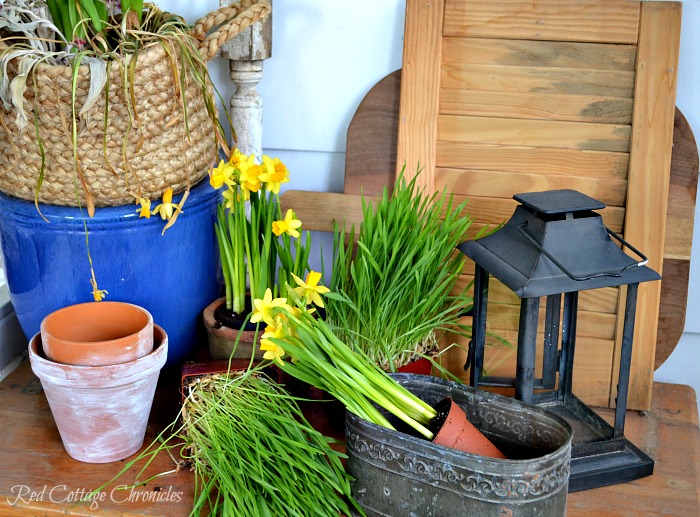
(625, 360)
(527, 341)
(476, 348)
(551, 342)
(568, 345)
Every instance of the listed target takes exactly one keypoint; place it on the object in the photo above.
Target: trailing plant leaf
(18, 85)
(98, 79)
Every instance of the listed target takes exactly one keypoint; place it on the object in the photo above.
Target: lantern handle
(642, 262)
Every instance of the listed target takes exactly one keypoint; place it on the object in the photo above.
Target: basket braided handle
(229, 21)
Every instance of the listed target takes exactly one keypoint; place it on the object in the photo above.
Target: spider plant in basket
(399, 280)
(260, 248)
(108, 103)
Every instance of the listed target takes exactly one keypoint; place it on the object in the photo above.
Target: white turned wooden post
(246, 53)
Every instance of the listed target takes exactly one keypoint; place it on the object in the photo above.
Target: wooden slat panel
(505, 185)
(503, 317)
(604, 21)
(554, 81)
(326, 209)
(575, 162)
(592, 364)
(545, 106)
(595, 300)
(494, 211)
(561, 54)
(647, 199)
(599, 300)
(542, 133)
(419, 90)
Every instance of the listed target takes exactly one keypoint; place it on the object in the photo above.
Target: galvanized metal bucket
(400, 475)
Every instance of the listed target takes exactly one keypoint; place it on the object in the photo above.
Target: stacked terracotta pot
(99, 364)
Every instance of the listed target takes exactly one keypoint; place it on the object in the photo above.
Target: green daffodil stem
(376, 376)
(378, 386)
(383, 401)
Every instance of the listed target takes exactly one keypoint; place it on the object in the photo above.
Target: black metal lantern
(554, 246)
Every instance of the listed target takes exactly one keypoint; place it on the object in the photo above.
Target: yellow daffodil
(265, 308)
(222, 175)
(145, 210)
(249, 178)
(290, 225)
(309, 290)
(165, 209)
(231, 196)
(97, 294)
(236, 158)
(275, 173)
(272, 350)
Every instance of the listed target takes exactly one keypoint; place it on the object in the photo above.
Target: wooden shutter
(499, 98)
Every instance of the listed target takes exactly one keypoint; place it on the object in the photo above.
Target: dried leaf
(98, 78)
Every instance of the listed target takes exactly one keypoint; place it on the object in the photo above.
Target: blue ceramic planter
(173, 276)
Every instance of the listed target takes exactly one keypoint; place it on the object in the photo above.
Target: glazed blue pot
(173, 276)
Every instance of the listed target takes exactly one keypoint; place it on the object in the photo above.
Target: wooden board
(562, 20)
(679, 230)
(542, 82)
(33, 457)
(648, 181)
(367, 146)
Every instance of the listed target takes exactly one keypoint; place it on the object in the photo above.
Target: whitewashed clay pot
(97, 333)
(101, 411)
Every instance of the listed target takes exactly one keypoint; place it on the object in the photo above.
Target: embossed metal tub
(400, 475)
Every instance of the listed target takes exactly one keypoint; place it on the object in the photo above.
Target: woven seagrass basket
(127, 145)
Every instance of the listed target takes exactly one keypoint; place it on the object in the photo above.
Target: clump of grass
(254, 453)
(398, 280)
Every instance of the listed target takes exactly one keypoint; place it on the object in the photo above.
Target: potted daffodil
(260, 248)
(306, 347)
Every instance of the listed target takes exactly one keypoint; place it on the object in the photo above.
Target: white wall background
(326, 56)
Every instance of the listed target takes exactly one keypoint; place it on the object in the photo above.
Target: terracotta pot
(46, 268)
(101, 411)
(420, 366)
(222, 338)
(97, 334)
(457, 432)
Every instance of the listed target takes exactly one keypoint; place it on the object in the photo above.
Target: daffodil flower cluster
(254, 239)
(305, 346)
(267, 311)
(242, 175)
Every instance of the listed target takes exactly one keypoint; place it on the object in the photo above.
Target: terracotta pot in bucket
(457, 432)
(101, 411)
(97, 333)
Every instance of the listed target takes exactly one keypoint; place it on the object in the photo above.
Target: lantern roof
(555, 242)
